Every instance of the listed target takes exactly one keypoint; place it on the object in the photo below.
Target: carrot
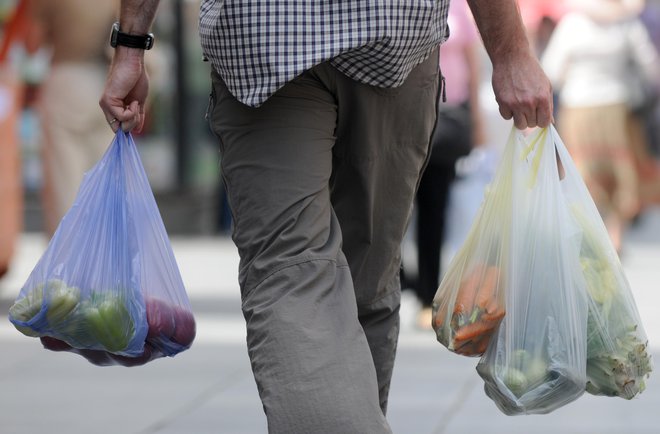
(487, 288)
(482, 346)
(494, 317)
(466, 350)
(474, 330)
(467, 291)
(472, 339)
(477, 312)
(493, 305)
(474, 347)
(439, 315)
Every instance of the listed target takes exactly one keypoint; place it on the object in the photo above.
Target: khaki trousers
(321, 180)
(76, 134)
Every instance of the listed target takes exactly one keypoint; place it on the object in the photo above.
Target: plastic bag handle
(536, 141)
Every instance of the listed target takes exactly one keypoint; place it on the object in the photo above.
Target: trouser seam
(293, 264)
(382, 297)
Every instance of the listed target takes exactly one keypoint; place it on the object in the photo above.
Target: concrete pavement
(209, 389)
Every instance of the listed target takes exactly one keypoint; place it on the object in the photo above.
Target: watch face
(149, 42)
(113, 35)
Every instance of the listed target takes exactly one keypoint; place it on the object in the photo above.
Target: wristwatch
(117, 37)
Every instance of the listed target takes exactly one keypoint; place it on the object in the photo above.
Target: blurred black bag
(452, 138)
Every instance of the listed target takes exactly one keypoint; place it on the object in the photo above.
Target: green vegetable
(62, 300)
(74, 330)
(26, 308)
(611, 375)
(525, 372)
(516, 381)
(618, 361)
(109, 322)
(100, 319)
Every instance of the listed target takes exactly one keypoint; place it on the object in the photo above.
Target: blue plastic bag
(108, 286)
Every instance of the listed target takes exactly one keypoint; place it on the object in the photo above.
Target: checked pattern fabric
(257, 46)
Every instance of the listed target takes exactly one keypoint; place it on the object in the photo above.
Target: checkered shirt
(257, 46)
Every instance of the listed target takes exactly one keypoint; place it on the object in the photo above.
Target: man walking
(323, 112)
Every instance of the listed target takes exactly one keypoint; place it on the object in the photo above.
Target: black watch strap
(117, 37)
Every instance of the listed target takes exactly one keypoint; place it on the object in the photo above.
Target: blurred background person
(650, 16)
(14, 22)
(591, 56)
(540, 18)
(75, 135)
(459, 127)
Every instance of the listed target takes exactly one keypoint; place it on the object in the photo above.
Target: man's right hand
(126, 90)
(523, 91)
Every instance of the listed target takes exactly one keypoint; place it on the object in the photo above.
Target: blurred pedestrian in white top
(591, 59)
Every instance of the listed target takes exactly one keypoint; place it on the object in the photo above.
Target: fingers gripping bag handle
(522, 251)
(108, 259)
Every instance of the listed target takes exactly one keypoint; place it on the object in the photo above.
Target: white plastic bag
(618, 361)
(515, 291)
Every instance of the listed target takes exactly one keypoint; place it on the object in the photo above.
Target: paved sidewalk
(209, 389)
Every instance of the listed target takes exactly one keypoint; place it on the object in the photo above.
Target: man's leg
(309, 354)
(383, 138)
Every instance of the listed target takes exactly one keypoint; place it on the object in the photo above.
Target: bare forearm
(522, 90)
(127, 86)
(137, 16)
(501, 28)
